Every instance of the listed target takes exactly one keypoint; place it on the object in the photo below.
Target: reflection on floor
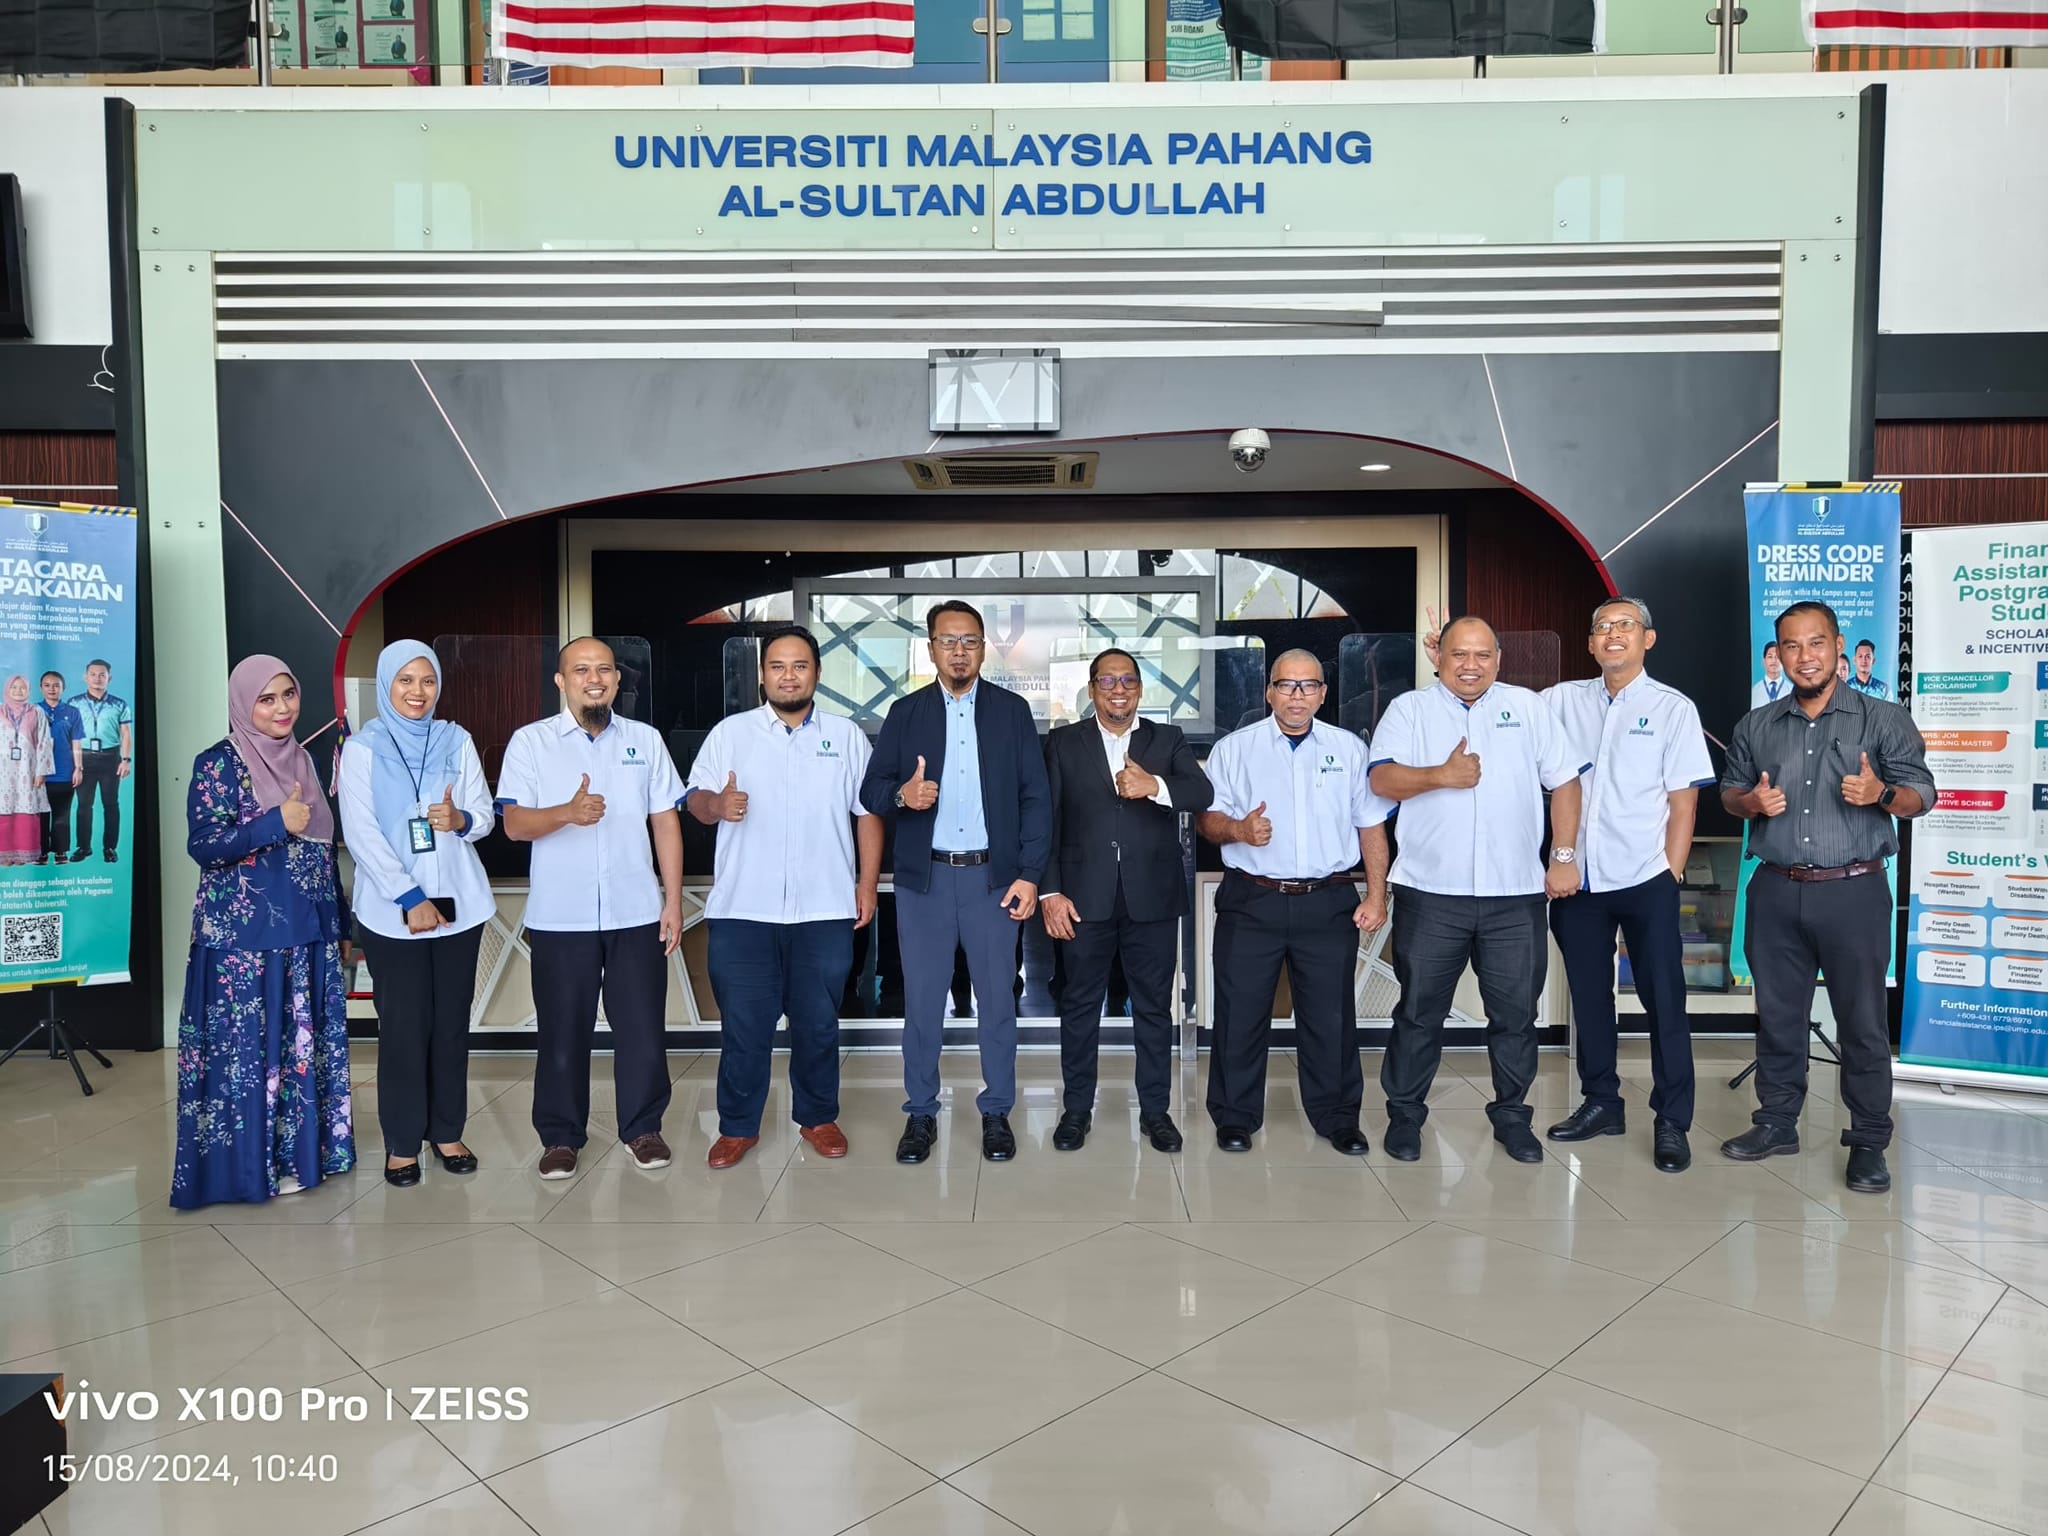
(1109, 1341)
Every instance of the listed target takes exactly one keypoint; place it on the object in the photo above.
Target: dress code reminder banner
(67, 742)
(1977, 944)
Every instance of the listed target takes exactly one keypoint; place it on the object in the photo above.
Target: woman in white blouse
(413, 800)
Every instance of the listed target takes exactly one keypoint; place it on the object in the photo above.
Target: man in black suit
(1116, 886)
(959, 767)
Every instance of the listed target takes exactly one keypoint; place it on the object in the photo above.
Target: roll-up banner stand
(1834, 544)
(1976, 994)
(67, 740)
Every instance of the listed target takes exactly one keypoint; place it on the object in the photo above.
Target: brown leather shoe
(649, 1151)
(727, 1150)
(558, 1163)
(826, 1140)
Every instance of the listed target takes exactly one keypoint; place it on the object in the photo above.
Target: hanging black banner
(1409, 29)
(122, 37)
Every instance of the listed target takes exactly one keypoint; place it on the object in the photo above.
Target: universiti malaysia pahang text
(1180, 194)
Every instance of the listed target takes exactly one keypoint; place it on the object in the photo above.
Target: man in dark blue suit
(959, 767)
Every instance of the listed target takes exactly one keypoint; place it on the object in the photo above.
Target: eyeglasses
(967, 643)
(1123, 682)
(1617, 626)
(1296, 689)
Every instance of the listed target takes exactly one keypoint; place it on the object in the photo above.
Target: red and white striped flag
(706, 34)
(1927, 23)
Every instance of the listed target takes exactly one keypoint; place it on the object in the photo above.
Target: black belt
(1809, 872)
(96, 751)
(1296, 887)
(960, 860)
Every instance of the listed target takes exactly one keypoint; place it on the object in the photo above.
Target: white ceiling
(1196, 463)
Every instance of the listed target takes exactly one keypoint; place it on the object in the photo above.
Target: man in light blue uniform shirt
(1469, 760)
(1649, 760)
(782, 785)
(1299, 825)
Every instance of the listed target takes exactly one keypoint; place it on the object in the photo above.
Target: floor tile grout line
(673, 1268)
(1914, 1418)
(1453, 1221)
(622, 1423)
(983, 1279)
(476, 1483)
(913, 1494)
(442, 1242)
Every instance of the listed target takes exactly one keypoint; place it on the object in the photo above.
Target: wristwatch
(1564, 855)
(899, 799)
(1891, 793)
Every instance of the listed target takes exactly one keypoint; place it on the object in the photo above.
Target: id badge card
(422, 833)
(14, 754)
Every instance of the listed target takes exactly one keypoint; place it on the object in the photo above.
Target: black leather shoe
(1760, 1142)
(1404, 1142)
(1164, 1133)
(1867, 1172)
(919, 1132)
(1673, 1153)
(1350, 1141)
(1232, 1138)
(461, 1162)
(998, 1145)
(1519, 1142)
(403, 1177)
(1072, 1131)
(1587, 1121)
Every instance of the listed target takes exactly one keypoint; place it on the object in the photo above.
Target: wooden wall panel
(57, 466)
(1962, 449)
(1525, 573)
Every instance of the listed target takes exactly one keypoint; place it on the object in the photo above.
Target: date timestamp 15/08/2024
(163, 1467)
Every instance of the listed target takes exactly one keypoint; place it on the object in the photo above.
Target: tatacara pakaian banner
(1410, 29)
(121, 37)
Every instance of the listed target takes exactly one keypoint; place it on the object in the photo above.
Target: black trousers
(1085, 961)
(102, 769)
(57, 819)
(1503, 939)
(1842, 928)
(1646, 916)
(424, 988)
(570, 971)
(1258, 930)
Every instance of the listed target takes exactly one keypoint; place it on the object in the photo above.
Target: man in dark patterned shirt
(1819, 776)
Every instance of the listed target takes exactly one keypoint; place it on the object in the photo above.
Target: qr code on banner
(33, 938)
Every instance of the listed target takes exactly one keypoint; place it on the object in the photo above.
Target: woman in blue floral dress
(263, 1088)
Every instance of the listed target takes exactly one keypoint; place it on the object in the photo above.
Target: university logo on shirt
(1642, 727)
(1330, 764)
(826, 749)
(1508, 722)
(633, 759)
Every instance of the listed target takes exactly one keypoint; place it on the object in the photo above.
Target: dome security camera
(1248, 449)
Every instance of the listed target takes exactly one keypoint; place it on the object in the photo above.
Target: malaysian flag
(706, 34)
(1927, 23)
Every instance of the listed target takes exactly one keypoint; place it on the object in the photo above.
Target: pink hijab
(274, 765)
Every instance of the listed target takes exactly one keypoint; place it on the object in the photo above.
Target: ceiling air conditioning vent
(1004, 472)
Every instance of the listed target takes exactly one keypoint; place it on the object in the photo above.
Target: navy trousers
(762, 973)
(1646, 916)
(961, 911)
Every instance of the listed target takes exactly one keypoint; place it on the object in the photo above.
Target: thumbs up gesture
(296, 812)
(1769, 801)
(1255, 828)
(585, 809)
(1461, 769)
(919, 793)
(732, 800)
(1863, 786)
(442, 815)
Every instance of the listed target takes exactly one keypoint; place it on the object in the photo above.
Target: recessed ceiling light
(1375, 469)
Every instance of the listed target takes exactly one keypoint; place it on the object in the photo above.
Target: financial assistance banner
(1977, 945)
(1834, 544)
(67, 742)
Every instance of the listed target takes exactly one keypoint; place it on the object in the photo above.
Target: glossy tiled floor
(1282, 1344)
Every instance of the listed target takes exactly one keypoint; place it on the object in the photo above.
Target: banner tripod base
(65, 1044)
(1828, 1053)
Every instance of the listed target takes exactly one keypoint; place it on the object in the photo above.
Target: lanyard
(426, 753)
(95, 706)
